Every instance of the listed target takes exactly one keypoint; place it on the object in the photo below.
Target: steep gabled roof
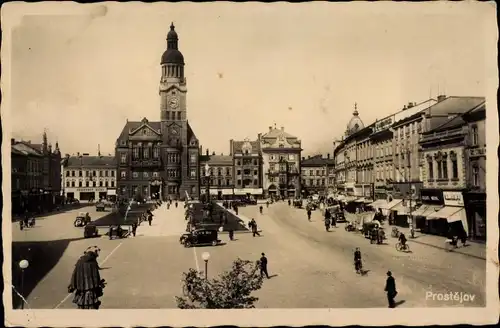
(452, 105)
(133, 125)
(27, 148)
(238, 145)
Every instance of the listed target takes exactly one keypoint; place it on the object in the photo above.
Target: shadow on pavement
(42, 257)
(118, 216)
(233, 222)
(398, 303)
(42, 216)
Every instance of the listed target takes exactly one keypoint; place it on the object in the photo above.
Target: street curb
(238, 232)
(443, 248)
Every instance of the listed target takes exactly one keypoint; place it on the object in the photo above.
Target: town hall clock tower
(179, 144)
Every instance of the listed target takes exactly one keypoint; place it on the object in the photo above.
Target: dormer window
(145, 131)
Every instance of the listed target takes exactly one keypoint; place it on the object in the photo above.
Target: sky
(80, 71)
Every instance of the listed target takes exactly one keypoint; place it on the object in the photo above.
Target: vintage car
(90, 231)
(200, 237)
(368, 227)
(100, 207)
(82, 219)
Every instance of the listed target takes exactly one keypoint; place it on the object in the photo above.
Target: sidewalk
(166, 222)
(239, 216)
(476, 250)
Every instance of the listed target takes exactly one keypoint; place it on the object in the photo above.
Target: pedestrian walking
(134, 228)
(253, 226)
(168, 206)
(231, 234)
(86, 281)
(309, 212)
(263, 265)
(390, 289)
(176, 204)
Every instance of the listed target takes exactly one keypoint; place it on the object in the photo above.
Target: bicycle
(402, 248)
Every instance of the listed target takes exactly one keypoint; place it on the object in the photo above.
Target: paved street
(309, 267)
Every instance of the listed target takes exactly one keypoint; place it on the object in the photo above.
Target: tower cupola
(172, 55)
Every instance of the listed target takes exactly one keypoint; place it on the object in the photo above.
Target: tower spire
(355, 113)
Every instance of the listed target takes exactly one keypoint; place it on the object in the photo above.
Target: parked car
(82, 219)
(90, 231)
(200, 237)
(100, 207)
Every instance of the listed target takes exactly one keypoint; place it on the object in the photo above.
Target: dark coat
(86, 274)
(390, 285)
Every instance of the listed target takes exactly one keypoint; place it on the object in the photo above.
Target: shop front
(426, 221)
(87, 194)
(453, 212)
(475, 205)
(255, 192)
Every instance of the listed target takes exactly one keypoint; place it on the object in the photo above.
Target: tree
(231, 290)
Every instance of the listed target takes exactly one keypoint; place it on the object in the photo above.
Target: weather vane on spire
(355, 106)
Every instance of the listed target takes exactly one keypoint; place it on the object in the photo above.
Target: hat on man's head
(389, 273)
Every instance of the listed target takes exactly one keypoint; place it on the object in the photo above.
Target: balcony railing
(443, 134)
(477, 152)
(146, 163)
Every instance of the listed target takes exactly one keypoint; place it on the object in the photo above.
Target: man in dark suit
(263, 265)
(390, 288)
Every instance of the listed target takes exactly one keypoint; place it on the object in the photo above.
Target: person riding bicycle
(357, 260)
(402, 239)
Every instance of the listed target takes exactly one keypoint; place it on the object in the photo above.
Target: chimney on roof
(270, 128)
(78, 154)
(208, 152)
(328, 155)
(404, 107)
(85, 154)
(282, 128)
(309, 157)
(303, 158)
(410, 105)
(222, 154)
(441, 98)
(213, 153)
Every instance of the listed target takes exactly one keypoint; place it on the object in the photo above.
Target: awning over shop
(214, 192)
(227, 191)
(377, 203)
(391, 204)
(251, 191)
(401, 209)
(367, 200)
(111, 192)
(444, 212)
(431, 209)
(349, 199)
(459, 216)
(419, 211)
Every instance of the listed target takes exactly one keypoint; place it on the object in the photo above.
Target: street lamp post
(23, 264)
(206, 256)
(207, 178)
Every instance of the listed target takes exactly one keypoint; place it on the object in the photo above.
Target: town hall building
(159, 159)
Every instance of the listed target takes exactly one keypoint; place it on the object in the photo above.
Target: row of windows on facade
(88, 184)
(28, 184)
(281, 179)
(88, 173)
(290, 157)
(229, 182)
(145, 153)
(31, 166)
(365, 151)
(171, 173)
(320, 172)
(440, 163)
(283, 167)
(317, 182)
(247, 161)
(170, 115)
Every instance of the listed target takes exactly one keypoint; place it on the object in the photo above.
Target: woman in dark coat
(86, 281)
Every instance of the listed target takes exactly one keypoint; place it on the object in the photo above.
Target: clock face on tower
(173, 102)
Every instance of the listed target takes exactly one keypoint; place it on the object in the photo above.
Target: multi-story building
(161, 157)
(280, 163)
(219, 180)
(247, 162)
(88, 177)
(452, 155)
(352, 156)
(36, 176)
(317, 174)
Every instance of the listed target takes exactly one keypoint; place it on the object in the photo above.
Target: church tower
(177, 137)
